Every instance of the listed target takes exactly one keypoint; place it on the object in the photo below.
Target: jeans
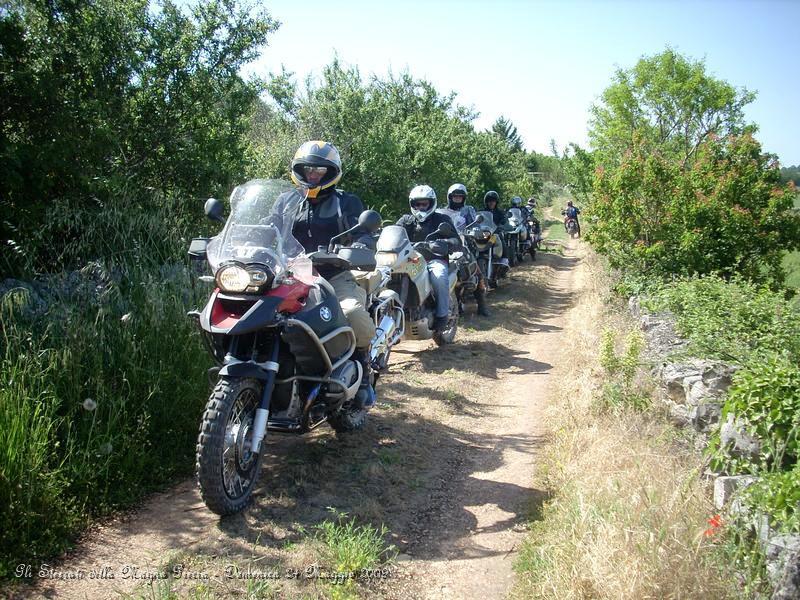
(440, 281)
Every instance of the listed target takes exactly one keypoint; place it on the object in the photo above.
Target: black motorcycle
(283, 347)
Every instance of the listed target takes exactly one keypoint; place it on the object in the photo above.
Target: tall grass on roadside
(99, 402)
(629, 515)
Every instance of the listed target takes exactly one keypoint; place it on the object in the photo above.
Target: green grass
(348, 547)
(99, 404)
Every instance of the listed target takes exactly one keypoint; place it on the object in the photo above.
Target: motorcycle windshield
(455, 216)
(259, 227)
(515, 213)
(488, 220)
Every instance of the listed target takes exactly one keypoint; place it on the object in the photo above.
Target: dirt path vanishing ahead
(445, 463)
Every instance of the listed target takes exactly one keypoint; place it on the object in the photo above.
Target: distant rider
(571, 212)
(491, 202)
(422, 222)
(462, 214)
(326, 212)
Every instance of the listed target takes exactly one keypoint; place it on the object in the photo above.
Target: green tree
(115, 98)
(667, 100)
(392, 132)
(507, 131)
(725, 213)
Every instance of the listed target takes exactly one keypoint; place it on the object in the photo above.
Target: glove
(440, 248)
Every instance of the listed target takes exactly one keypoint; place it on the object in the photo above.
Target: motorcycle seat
(368, 280)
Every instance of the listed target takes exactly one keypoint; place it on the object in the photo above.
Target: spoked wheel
(348, 418)
(227, 469)
(447, 335)
(512, 255)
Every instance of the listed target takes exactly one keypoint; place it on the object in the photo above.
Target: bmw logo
(325, 313)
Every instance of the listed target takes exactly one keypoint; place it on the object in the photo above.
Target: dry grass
(630, 506)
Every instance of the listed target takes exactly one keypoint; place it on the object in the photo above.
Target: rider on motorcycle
(516, 202)
(326, 212)
(462, 214)
(422, 222)
(491, 202)
(571, 212)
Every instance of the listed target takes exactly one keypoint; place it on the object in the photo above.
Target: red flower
(716, 523)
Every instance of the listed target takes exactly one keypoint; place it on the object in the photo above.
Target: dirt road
(445, 463)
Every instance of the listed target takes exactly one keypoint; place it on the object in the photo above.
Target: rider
(462, 214)
(422, 222)
(491, 202)
(571, 212)
(324, 213)
(516, 202)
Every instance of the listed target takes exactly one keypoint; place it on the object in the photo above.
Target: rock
(782, 560)
(634, 306)
(706, 416)
(725, 487)
(788, 586)
(24, 298)
(737, 442)
(700, 386)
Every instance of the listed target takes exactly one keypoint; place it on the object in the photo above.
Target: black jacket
(315, 223)
(499, 216)
(417, 232)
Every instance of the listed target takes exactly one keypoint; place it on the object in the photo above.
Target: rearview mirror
(214, 210)
(370, 220)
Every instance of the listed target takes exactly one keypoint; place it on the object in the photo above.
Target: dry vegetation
(629, 518)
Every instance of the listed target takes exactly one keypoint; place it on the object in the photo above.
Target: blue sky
(543, 63)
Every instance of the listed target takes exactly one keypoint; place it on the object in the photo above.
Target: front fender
(245, 369)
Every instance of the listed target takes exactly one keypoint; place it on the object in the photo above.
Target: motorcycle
(572, 225)
(536, 236)
(468, 272)
(483, 235)
(408, 264)
(282, 345)
(518, 237)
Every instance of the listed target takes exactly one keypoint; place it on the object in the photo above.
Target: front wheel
(447, 335)
(347, 419)
(512, 252)
(227, 469)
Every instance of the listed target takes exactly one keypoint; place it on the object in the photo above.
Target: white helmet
(422, 192)
(456, 188)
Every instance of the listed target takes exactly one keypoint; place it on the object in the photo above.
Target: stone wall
(694, 391)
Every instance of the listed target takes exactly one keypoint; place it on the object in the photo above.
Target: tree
(667, 100)
(116, 98)
(506, 131)
(392, 132)
(725, 213)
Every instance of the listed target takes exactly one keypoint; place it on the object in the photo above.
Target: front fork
(262, 412)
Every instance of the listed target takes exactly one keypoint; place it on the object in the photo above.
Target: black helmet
(491, 195)
(317, 154)
(516, 202)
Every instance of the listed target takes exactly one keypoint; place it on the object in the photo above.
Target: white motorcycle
(408, 263)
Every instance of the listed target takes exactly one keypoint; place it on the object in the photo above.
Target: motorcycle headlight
(385, 259)
(234, 278)
(484, 235)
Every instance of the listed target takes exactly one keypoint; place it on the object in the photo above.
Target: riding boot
(480, 298)
(365, 396)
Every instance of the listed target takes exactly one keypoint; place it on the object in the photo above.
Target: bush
(723, 213)
(759, 330)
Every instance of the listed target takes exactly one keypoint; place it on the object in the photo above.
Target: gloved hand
(440, 248)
